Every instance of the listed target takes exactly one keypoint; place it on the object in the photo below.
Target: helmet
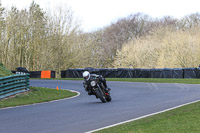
(86, 75)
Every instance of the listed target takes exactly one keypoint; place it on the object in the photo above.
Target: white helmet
(86, 75)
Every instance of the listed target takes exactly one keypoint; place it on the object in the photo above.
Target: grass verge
(157, 80)
(4, 71)
(149, 80)
(185, 119)
(36, 95)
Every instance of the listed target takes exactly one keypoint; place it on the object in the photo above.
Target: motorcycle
(98, 89)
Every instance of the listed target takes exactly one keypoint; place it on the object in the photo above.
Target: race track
(85, 113)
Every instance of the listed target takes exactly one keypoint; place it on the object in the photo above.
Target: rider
(87, 76)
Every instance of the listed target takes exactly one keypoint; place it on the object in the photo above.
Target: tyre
(108, 98)
(100, 95)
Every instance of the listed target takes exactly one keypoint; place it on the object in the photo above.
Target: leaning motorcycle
(99, 90)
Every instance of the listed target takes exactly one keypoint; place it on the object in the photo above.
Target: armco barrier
(14, 84)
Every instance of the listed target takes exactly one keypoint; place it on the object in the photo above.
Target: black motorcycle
(98, 89)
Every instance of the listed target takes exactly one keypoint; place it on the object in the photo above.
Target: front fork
(101, 90)
(98, 87)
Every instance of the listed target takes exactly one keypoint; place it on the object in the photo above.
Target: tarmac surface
(85, 113)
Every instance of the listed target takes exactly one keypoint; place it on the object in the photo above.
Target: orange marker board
(45, 74)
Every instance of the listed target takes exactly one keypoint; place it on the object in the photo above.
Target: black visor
(86, 77)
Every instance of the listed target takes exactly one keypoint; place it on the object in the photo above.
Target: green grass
(149, 80)
(4, 71)
(36, 95)
(185, 119)
(157, 80)
(57, 78)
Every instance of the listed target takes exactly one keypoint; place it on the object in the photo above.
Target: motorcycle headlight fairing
(93, 83)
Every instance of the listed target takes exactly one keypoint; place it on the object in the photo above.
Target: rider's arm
(103, 80)
(85, 85)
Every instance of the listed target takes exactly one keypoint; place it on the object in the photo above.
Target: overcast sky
(96, 14)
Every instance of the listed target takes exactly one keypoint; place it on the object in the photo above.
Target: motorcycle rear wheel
(108, 98)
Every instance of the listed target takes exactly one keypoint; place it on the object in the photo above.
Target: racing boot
(107, 91)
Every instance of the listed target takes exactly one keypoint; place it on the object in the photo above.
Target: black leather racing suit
(86, 83)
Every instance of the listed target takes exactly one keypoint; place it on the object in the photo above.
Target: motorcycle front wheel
(100, 95)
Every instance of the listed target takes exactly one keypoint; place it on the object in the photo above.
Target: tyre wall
(134, 73)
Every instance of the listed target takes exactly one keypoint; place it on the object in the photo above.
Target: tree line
(40, 40)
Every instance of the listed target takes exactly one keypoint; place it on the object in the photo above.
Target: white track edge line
(131, 120)
(78, 94)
